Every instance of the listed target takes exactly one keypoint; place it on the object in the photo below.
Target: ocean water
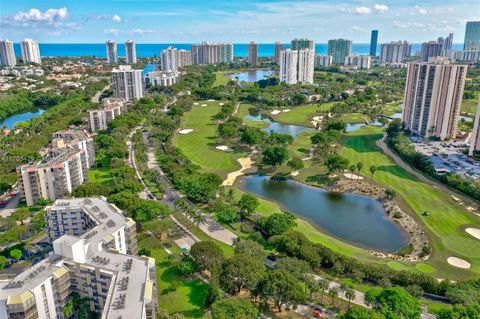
(153, 50)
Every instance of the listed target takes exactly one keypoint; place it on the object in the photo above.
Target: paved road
(11, 206)
(383, 146)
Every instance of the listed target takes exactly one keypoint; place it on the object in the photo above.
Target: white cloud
(381, 8)
(363, 10)
(36, 16)
(140, 32)
(408, 25)
(114, 32)
(356, 28)
(418, 10)
(116, 18)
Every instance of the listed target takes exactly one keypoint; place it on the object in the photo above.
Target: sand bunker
(204, 104)
(246, 163)
(294, 173)
(318, 118)
(353, 176)
(286, 110)
(275, 112)
(223, 148)
(211, 100)
(221, 104)
(185, 131)
(475, 232)
(459, 263)
(195, 103)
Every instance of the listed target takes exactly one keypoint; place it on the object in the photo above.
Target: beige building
(394, 52)
(112, 108)
(212, 52)
(128, 83)
(94, 255)
(253, 53)
(359, 61)
(184, 58)
(278, 49)
(475, 141)
(64, 168)
(433, 95)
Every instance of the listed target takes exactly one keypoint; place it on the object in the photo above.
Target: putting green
(425, 268)
(395, 265)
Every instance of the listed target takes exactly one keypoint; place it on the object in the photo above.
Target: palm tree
(323, 286)
(352, 170)
(350, 295)
(373, 169)
(359, 168)
(333, 292)
(198, 219)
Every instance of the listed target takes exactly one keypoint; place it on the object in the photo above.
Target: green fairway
(99, 175)
(446, 217)
(302, 115)
(353, 118)
(243, 111)
(392, 108)
(221, 78)
(469, 107)
(176, 294)
(199, 145)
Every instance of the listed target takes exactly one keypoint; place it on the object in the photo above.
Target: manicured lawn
(199, 145)
(243, 111)
(302, 115)
(446, 217)
(353, 118)
(392, 108)
(99, 175)
(220, 78)
(469, 106)
(176, 294)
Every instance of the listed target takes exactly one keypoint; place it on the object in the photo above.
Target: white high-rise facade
(306, 66)
(30, 51)
(130, 52)
(212, 52)
(169, 59)
(433, 96)
(184, 58)
(394, 52)
(475, 141)
(360, 61)
(253, 53)
(112, 57)
(128, 83)
(7, 54)
(323, 60)
(288, 66)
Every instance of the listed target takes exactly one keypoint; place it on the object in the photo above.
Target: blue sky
(186, 21)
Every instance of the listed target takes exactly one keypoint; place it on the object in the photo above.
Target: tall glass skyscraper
(472, 36)
(373, 43)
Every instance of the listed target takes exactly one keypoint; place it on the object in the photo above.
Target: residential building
(323, 60)
(184, 58)
(112, 57)
(94, 255)
(339, 49)
(7, 54)
(278, 49)
(431, 50)
(306, 66)
(130, 52)
(467, 56)
(373, 43)
(128, 83)
(162, 78)
(288, 66)
(112, 108)
(447, 44)
(169, 59)
(394, 52)
(253, 53)
(63, 168)
(475, 140)
(212, 52)
(472, 36)
(359, 61)
(433, 95)
(298, 44)
(30, 51)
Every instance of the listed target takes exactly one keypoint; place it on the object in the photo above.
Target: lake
(149, 68)
(12, 120)
(280, 128)
(356, 219)
(251, 76)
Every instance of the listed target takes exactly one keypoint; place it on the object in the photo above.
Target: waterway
(251, 76)
(289, 129)
(355, 219)
(23, 117)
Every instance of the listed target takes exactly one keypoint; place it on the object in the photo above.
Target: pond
(356, 219)
(280, 128)
(149, 68)
(251, 76)
(357, 126)
(14, 119)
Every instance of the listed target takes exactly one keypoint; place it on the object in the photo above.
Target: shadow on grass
(321, 180)
(397, 171)
(363, 143)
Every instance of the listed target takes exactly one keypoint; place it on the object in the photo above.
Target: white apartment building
(112, 57)
(112, 108)
(288, 66)
(184, 58)
(466, 56)
(94, 255)
(169, 59)
(253, 53)
(306, 66)
(433, 96)
(64, 168)
(359, 61)
(475, 141)
(212, 52)
(394, 52)
(30, 51)
(162, 78)
(128, 83)
(130, 52)
(323, 60)
(7, 53)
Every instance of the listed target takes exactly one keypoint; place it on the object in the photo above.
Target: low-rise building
(63, 168)
(359, 61)
(112, 108)
(162, 78)
(323, 60)
(94, 255)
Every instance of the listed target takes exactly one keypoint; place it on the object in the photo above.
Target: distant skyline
(267, 21)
